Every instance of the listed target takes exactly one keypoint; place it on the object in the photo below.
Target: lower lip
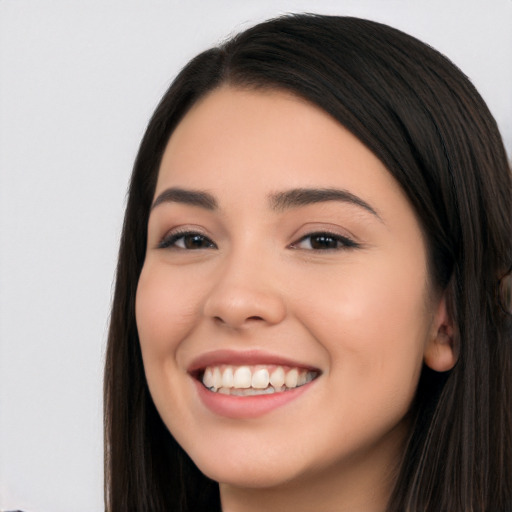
(242, 407)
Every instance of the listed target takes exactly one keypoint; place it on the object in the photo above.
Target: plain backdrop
(78, 82)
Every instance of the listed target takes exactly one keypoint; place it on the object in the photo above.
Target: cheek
(164, 316)
(373, 324)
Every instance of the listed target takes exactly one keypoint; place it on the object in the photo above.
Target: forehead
(267, 140)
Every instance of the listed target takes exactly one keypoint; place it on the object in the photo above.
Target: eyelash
(342, 242)
(169, 241)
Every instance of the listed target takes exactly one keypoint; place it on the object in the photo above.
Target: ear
(440, 354)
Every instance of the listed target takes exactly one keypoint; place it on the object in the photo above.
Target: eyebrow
(298, 197)
(192, 197)
(279, 201)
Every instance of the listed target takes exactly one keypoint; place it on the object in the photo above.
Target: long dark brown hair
(426, 122)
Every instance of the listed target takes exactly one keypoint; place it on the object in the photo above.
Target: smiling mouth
(254, 380)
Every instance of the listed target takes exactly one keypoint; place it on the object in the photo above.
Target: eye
(324, 241)
(189, 240)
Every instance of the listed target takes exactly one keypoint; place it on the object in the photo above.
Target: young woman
(311, 301)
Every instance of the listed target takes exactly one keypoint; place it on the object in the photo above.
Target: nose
(245, 294)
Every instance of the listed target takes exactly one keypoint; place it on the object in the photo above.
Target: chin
(244, 472)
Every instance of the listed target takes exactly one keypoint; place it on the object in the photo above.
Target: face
(282, 309)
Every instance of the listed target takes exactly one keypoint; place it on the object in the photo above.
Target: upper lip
(245, 357)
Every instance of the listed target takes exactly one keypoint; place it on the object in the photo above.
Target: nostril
(222, 321)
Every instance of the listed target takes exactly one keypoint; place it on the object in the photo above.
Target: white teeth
(243, 377)
(291, 379)
(217, 378)
(254, 380)
(228, 378)
(208, 378)
(277, 377)
(249, 392)
(260, 379)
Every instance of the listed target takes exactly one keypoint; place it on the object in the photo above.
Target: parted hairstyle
(421, 116)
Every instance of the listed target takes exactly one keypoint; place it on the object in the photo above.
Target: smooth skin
(337, 284)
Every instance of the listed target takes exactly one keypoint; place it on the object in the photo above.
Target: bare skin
(276, 235)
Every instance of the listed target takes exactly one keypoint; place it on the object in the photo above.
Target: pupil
(194, 242)
(323, 242)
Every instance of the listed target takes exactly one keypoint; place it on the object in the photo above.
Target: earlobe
(440, 351)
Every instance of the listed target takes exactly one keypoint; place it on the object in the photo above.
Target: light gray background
(78, 82)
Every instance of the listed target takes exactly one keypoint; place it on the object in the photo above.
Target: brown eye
(324, 241)
(188, 241)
